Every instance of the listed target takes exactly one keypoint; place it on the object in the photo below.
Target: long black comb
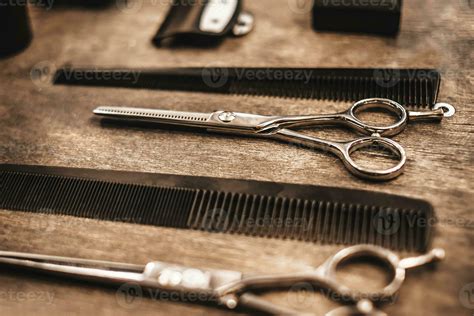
(264, 209)
(414, 88)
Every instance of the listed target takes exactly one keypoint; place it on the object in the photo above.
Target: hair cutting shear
(280, 127)
(232, 289)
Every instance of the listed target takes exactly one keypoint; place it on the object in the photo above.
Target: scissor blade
(219, 121)
(103, 271)
(156, 116)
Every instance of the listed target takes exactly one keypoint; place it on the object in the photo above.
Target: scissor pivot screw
(227, 117)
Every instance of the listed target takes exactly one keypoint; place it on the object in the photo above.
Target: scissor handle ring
(387, 104)
(374, 174)
(390, 259)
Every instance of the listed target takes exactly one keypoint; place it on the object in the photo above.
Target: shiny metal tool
(232, 289)
(279, 127)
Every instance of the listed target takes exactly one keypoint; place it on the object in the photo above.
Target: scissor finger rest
(379, 144)
(369, 129)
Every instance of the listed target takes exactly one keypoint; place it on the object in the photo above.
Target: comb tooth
(237, 214)
(430, 91)
(341, 225)
(319, 222)
(365, 227)
(349, 229)
(398, 93)
(225, 210)
(333, 209)
(326, 228)
(243, 219)
(270, 216)
(292, 219)
(425, 97)
(372, 236)
(252, 203)
(285, 215)
(376, 231)
(302, 224)
(256, 229)
(416, 83)
(266, 219)
(279, 230)
(411, 235)
(277, 217)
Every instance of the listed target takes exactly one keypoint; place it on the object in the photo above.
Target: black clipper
(203, 22)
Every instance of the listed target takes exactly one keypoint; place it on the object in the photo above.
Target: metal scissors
(279, 127)
(233, 289)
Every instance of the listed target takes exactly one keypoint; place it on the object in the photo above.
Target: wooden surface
(48, 125)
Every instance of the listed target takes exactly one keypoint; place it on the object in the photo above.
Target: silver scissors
(233, 289)
(279, 127)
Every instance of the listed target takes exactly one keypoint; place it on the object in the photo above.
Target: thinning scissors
(279, 127)
(232, 289)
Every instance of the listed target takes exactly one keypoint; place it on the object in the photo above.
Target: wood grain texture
(41, 124)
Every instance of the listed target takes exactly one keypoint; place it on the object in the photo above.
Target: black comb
(413, 88)
(263, 209)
